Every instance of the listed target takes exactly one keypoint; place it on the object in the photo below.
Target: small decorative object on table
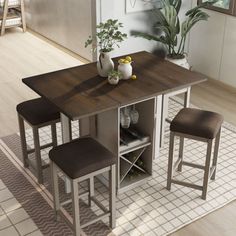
(114, 77)
(104, 64)
(125, 67)
(108, 35)
(170, 31)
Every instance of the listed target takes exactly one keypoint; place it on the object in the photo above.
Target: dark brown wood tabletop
(79, 91)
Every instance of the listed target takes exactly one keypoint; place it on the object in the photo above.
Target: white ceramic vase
(126, 70)
(180, 62)
(104, 64)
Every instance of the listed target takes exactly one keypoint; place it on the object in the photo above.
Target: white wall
(134, 21)
(212, 48)
(140, 21)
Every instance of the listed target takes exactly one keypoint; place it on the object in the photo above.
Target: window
(223, 6)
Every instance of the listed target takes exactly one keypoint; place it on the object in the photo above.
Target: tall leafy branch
(168, 26)
(108, 35)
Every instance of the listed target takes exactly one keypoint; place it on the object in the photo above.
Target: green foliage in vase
(108, 36)
(169, 28)
(115, 73)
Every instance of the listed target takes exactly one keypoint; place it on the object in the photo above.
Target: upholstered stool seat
(204, 126)
(37, 113)
(83, 159)
(197, 122)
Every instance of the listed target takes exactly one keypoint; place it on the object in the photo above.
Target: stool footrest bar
(69, 219)
(29, 162)
(69, 200)
(102, 216)
(99, 205)
(65, 202)
(41, 147)
(193, 165)
(186, 184)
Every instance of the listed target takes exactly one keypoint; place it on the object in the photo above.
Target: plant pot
(183, 62)
(126, 70)
(113, 80)
(104, 64)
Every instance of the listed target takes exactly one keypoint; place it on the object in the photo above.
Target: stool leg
(91, 190)
(55, 189)
(181, 153)
(207, 169)
(216, 150)
(54, 134)
(23, 141)
(75, 207)
(38, 155)
(170, 160)
(112, 200)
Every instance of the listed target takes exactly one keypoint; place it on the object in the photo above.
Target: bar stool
(198, 125)
(83, 159)
(37, 113)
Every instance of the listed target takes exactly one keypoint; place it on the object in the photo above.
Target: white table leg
(187, 97)
(165, 106)
(158, 118)
(66, 137)
(84, 127)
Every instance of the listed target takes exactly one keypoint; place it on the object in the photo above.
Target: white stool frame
(209, 171)
(37, 147)
(74, 222)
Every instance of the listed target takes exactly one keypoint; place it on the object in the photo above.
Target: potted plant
(170, 32)
(108, 36)
(114, 77)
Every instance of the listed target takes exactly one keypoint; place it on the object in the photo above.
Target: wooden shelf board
(11, 26)
(14, 6)
(127, 149)
(10, 16)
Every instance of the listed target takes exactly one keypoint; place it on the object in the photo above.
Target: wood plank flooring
(23, 55)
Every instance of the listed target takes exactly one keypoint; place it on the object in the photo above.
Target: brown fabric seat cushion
(38, 111)
(197, 122)
(81, 157)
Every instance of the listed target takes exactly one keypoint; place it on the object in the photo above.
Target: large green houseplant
(168, 28)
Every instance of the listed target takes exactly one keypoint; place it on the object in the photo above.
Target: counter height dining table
(81, 94)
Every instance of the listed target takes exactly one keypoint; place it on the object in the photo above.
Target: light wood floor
(24, 55)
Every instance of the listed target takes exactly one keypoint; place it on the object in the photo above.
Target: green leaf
(199, 6)
(108, 35)
(191, 21)
(148, 36)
